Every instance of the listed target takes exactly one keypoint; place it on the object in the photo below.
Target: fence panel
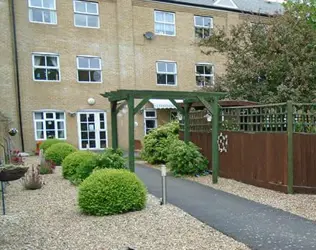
(304, 160)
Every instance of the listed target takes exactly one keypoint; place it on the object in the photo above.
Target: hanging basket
(12, 172)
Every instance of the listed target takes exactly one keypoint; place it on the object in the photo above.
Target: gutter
(213, 7)
(16, 69)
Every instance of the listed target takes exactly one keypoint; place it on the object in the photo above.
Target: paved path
(256, 225)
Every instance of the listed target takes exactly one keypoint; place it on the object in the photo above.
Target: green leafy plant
(111, 191)
(58, 152)
(79, 165)
(49, 142)
(111, 158)
(157, 142)
(268, 59)
(186, 159)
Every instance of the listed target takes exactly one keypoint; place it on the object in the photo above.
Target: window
(89, 69)
(165, 23)
(86, 14)
(204, 74)
(166, 73)
(46, 67)
(203, 26)
(42, 11)
(49, 124)
(150, 120)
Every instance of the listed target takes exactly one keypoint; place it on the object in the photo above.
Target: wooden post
(114, 125)
(131, 142)
(215, 131)
(186, 123)
(290, 147)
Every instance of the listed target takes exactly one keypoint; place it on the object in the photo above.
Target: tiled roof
(256, 6)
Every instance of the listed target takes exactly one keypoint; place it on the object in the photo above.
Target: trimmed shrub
(58, 152)
(186, 159)
(111, 158)
(49, 142)
(79, 165)
(156, 143)
(111, 191)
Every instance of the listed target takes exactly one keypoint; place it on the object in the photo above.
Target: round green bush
(78, 165)
(49, 142)
(111, 191)
(58, 152)
(156, 143)
(186, 159)
(111, 158)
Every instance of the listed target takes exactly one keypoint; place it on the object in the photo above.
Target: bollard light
(164, 186)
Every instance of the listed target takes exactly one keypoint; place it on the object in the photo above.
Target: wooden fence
(261, 139)
(260, 159)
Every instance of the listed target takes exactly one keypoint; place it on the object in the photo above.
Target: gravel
(299, 204)
(50, 219)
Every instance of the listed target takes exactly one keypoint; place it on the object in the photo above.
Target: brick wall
(128, 59)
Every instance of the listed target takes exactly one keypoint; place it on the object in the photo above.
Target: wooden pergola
(209, 100)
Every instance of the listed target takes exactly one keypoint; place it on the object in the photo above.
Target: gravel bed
(299, 204)
(49, 219)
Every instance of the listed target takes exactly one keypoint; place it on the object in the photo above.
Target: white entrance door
(92, 130)
(150, 120)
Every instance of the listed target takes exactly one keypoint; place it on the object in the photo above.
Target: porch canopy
(208, 99)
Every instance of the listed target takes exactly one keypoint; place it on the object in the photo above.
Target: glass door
(92, 130)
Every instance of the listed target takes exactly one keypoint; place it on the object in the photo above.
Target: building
(59, 55)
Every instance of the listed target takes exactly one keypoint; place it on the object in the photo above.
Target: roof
(264, 7)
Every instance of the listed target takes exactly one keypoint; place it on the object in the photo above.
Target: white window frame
(54, 9)
(203, 26)
(45, 67)
(204, 75)
(166, 73)
(97, 128)
(89, 69)
(49, 119)
(152, 118)
(165, 22)
(86, 14)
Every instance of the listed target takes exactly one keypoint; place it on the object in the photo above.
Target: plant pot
(12, 172)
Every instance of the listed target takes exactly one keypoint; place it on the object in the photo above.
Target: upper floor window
(86, 14)
(203, 26)
(49, 124)
(42, 11)
(89, 69)
(204, 74)
(46, 67)
(166, 73)
(165, 23)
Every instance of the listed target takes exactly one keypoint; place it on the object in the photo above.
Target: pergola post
(114, 125)
(186, 123)
(215, 132)
(131, 142)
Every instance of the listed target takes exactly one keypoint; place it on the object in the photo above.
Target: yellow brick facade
(128, 59)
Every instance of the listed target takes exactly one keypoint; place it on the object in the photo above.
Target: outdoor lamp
(208, 117)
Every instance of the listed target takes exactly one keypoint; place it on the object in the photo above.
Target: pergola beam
(141, 94)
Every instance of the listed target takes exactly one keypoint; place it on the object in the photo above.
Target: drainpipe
(16, 64)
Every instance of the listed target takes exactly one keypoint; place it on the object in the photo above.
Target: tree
(269, 59)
